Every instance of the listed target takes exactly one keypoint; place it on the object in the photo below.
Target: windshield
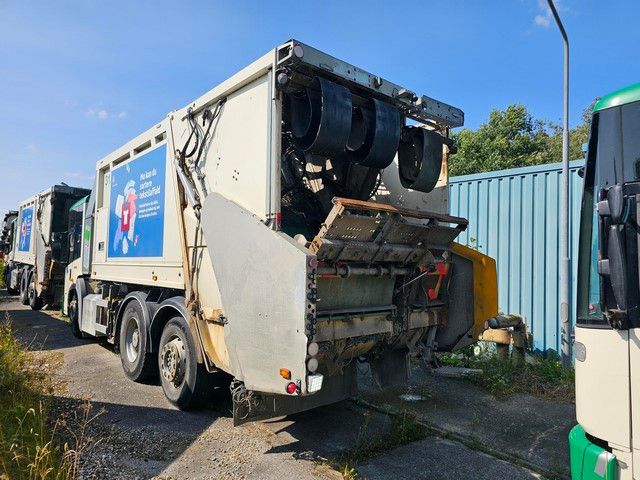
(613, 157)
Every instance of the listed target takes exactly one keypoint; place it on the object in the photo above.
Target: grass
(30, 443)
(404, 429)
(541, 377)
(2, 266)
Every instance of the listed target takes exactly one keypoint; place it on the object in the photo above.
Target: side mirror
(617, 265)
(614, 206)
(616, 201)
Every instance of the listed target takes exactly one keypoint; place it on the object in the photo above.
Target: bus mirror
(617, 265)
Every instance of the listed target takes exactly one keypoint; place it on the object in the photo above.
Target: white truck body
(24, 243)
(162, 267)
(215, 236)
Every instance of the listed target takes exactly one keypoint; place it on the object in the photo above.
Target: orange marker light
(285, 373)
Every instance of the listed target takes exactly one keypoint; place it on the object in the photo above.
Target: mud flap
(263, 406)
(391, 369)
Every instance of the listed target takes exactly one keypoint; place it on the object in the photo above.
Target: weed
(30, 445)
(404, 429)
(348, 472)
(542, 377)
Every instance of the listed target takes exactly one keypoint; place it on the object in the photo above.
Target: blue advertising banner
(136, 210)
(26, 222)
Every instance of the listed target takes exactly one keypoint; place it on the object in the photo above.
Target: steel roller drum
(420, 158)
(374, 137)
(321, 118)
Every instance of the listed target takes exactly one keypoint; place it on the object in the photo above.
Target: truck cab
(7, 235)
(606, 441)
(79, 254)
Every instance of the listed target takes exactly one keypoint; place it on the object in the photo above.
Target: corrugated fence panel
(513, 217)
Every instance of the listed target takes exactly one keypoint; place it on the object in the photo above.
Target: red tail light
(291, 388)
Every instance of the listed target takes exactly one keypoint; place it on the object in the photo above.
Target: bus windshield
(613, 157)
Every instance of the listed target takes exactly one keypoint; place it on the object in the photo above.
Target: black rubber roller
(374, 137)
(420, 158)
(321, 118)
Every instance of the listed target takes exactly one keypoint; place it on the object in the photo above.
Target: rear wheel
(185, 383)
(138, 363)
(24, 287)
(35, 300)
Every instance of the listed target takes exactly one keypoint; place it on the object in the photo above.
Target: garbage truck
(285, 226)
(6, 234)
(606, 441)
(36, 264)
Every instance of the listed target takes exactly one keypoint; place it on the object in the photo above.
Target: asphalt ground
(137, 433)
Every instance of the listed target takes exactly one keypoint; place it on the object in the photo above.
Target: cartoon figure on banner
(26, 220)
(126, 212)
(23, 235)
(136, 206)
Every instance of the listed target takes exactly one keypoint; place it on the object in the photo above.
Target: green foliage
(2, 267)
(513, 138)
(541, 377)
(27, 447)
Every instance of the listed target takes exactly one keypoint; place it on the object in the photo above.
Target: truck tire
(72, 309)
(24, 287)
(35, 301)
(138, 363)
(185, 383)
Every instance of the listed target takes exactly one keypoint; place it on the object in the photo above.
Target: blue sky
(78, 79)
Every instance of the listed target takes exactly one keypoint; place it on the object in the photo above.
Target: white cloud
(31, 148)
(99, 113)
(103, 114)
(543, 20)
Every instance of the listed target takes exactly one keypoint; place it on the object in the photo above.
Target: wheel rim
(132, 340)
(73, 305)
(31, 290)
(173, 361)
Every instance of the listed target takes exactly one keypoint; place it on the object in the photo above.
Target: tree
(513, 138)
(578, 136)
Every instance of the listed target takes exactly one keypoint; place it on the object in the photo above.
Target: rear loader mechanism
(385, 284)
